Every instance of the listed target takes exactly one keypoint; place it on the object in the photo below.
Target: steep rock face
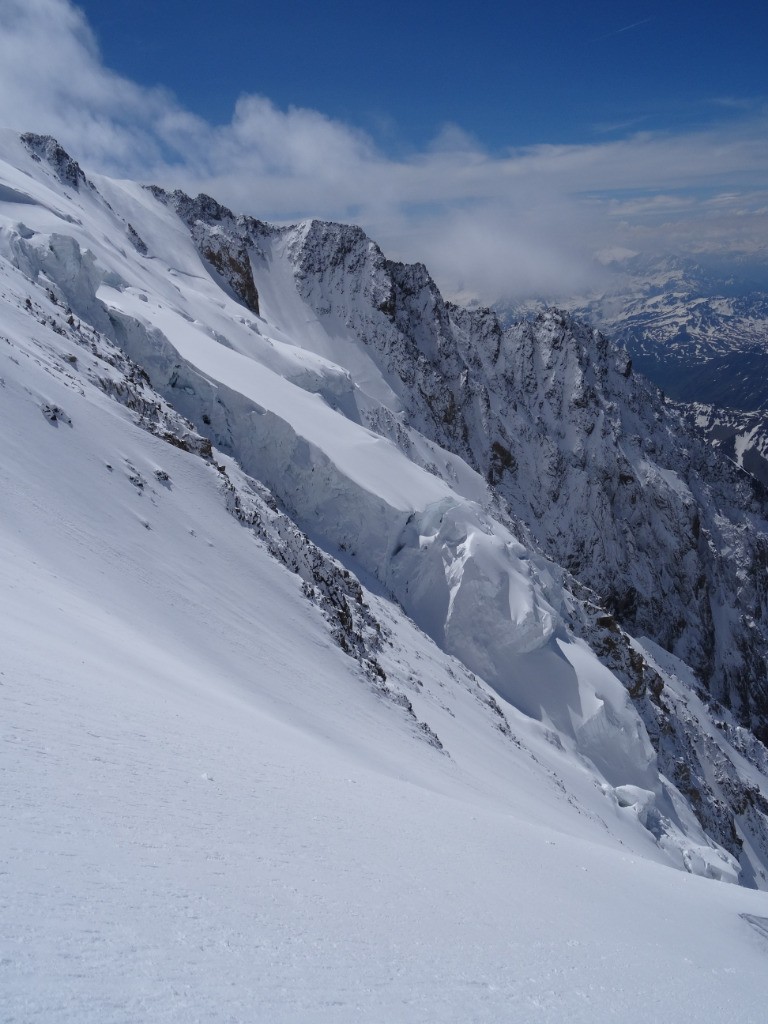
(614, 487)
(607, 479)
(740, 436)
(716, 764)
(697, 328)
(222, 240)
(46, 149)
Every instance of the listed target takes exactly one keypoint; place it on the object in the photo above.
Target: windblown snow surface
(232, 795)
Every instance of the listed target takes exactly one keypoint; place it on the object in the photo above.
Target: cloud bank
(518, 223)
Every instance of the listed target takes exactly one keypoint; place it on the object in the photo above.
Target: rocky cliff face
(696, 328)
(47, 151)
(741, 437)
(609, 480)
(222, 240)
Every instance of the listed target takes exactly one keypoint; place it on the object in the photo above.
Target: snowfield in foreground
(233, 793)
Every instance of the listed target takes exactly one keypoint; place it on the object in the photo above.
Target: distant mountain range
(697, 328)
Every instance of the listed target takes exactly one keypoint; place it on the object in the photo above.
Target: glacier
(315, 707)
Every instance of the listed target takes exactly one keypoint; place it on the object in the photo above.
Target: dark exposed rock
(137, 241)
(45, 147)
(234, 266)
(222, 239)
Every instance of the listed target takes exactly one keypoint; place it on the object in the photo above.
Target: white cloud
(516, 223)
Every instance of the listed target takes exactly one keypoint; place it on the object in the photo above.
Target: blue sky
(513, 148)
(511, 74)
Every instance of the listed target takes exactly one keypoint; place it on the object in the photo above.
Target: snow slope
(237, 785)
(435, 551)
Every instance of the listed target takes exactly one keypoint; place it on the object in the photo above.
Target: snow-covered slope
(241, 782)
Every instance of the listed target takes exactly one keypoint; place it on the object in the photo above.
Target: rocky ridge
(697, 328)
(740, 436)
